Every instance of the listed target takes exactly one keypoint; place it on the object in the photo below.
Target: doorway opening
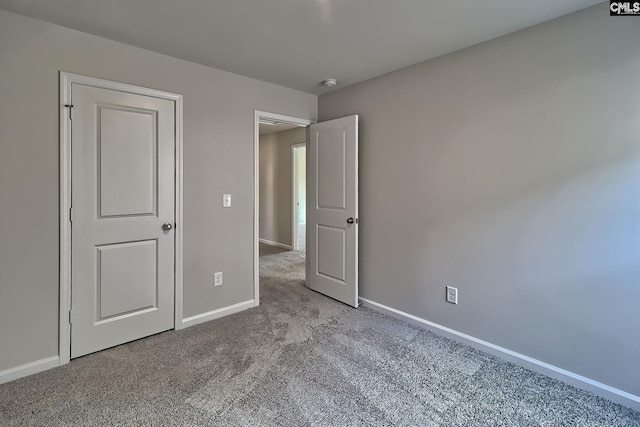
(299, 196)
(329, 264)
(280, 182)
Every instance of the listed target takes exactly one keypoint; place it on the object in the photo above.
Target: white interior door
(123, 201)
(332, 214)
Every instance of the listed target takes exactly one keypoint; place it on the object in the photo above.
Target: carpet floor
(300, 359)
(266, 249)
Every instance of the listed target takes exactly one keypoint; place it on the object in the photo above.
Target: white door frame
(257, 115)
(294, 196)
(66, 80)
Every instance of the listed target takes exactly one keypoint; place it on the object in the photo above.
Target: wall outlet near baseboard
(217, 279)
(452, 295)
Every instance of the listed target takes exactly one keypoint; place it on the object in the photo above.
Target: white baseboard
(54, 361)
(568, 377)
(216, 314)
(29, 369)
(280, 245)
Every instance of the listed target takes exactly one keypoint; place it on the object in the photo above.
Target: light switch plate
(226, 200)
(217, 279)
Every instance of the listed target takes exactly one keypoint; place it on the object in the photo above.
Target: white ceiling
(298, 43)
(275, 128)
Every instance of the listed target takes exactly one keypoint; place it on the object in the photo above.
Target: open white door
(332, 214)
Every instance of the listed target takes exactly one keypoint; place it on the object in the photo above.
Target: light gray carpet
(266, 249)
(300, 359)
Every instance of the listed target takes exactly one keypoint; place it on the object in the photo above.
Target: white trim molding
(216, 314)
(66, 82)
(29, 369)
(257, 115)
(179, 233)
(568, 377)
(272, 243)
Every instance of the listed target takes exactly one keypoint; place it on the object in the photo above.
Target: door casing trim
(66, 80)
(257, 115)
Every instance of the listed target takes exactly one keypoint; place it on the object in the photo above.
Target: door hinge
(70, 107)
(70, 214)
(70, 317)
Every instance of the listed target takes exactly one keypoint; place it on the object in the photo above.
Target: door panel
(331, 161)
(127, 147)
(332, 250)
(123, 191)
(331, 264)
(126, 269)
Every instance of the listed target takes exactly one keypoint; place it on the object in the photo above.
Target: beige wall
(301, 160)
(276, 184)
(511, 170)
(218, 150)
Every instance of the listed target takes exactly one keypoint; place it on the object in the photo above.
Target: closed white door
(332, 215)
(123, 210)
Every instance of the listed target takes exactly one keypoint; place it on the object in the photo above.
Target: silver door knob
(166, 226)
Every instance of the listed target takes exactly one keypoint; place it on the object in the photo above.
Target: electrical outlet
(217, 279)
(226, 200)
(452, 295)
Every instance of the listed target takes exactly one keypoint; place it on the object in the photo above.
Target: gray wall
(511, 170)
(301, 176)
(218, 150)
(276, 184)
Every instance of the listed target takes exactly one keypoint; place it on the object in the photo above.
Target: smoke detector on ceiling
(329, 82)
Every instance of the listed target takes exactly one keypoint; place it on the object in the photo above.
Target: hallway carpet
(266, 249)
(300, 359)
